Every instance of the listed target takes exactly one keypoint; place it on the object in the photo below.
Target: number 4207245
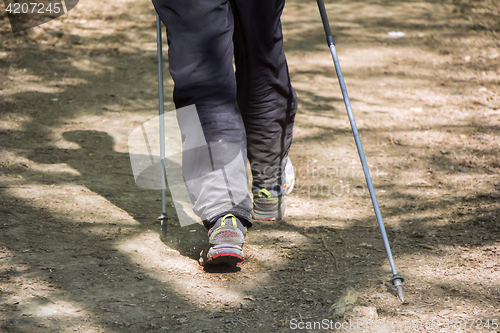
(33, 8)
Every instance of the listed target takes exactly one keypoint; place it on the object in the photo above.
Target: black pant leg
(265, 96)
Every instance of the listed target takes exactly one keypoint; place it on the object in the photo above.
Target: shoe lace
(263, 192)
(233, 220)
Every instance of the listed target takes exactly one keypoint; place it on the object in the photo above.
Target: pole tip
(163, 220)
(400, 293)
(397, 282)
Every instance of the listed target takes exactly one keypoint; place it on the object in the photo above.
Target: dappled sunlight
(60, 168)
(180, 274)
(54, 309)
(80, 244)
(454, 279)
(38, 300)
(93, 67)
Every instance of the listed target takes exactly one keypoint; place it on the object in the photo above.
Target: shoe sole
(258, 217)
(222, 254)
(224, 258)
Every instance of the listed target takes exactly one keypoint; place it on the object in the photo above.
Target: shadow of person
(108, 173)
(221, 268)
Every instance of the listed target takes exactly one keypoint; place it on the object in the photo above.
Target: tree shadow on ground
(83, 270)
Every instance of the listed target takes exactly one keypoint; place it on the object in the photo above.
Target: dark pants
(253, 107)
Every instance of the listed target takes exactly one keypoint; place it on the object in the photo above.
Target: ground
(80, 247)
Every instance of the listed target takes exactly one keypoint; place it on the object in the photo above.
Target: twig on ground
(333, 255)
(345, 243)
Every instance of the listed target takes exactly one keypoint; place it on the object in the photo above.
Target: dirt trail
(80, 247)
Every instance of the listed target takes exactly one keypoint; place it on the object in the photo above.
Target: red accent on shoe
(226, 258)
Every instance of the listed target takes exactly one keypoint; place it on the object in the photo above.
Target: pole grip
(326, 23)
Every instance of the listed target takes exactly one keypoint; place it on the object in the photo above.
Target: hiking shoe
(267, 207)
(225, 242)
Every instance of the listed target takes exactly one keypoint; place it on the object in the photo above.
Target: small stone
(490, 264)
(443, 313)
(345, 302)
(364, 311)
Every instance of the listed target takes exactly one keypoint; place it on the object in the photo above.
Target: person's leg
(265, 96)
(200, 52)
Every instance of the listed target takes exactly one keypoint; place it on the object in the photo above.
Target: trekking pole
(163, 217)
(396, 279)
